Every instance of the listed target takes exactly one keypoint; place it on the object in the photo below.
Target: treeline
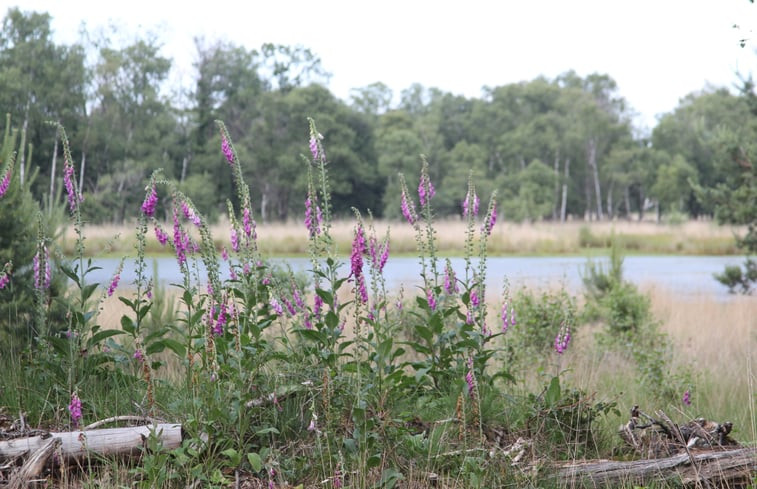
(551, 148)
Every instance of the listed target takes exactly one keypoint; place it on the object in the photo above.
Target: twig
(115, 419)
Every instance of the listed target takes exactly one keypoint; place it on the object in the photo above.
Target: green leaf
(255, 461)
(266, 431)
(101, 335)
(128, 324)
(327, 297)
(233, 456)
(87, 291)
(373, 461)
(552, 397)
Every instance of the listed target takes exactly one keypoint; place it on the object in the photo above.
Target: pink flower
(276, 306)
(5, 277)
(470, 379)
(74, 408)
(408, 209)
(426, 189)
(190, 214)
(247, 223)
(138, 355)
(148, 206)
(227, 151)
(687, 398)
(467, 202)
(114, 284)
(161, 235)
(234, 240)
(312, 225)
(450, 280)
(314, 147)
(489, 224)
(474, 299)
(6, 181)
(431, 299)
(562, 339)
(179, 240)
(68, 181)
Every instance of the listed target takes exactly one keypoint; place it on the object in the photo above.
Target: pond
(684, 275)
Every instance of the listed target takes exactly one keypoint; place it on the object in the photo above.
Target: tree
(39, 81)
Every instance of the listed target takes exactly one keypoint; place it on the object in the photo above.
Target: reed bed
(695, 237)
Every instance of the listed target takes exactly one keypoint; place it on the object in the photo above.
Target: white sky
(656, 50)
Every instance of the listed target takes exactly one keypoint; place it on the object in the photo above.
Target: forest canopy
(553, 149)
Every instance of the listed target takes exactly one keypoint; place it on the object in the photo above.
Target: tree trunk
(592, 161)
(184, 168)
(106, 442)
(52, 174)
(610, 205)
(557, 185)
(721, 468)
(563, 205)
(627, 201)
(81, 172)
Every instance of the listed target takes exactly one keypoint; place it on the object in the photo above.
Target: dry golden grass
(290, 238)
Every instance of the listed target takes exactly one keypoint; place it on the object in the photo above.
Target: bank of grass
(714, 342)
(508, 238)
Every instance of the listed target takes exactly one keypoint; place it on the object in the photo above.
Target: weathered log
(718, 468)
(33, 465)
(101, 442)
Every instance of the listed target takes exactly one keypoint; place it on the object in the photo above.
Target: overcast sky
(656, 50)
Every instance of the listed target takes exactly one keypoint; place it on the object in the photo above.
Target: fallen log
(33, 465)
(713, 468)
(108, 442)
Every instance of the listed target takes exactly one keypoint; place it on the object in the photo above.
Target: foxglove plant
(5, 275)
(562, 339)
(7, 175)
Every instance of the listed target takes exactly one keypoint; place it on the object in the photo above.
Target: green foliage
(18, 244)
(629, 326)
(539, 318)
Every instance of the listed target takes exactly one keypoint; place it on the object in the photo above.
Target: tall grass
(540, 238)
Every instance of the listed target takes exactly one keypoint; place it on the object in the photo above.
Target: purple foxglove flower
(562, 339)
(161, 235)
(317, 306)
(227, 152)
(234, 240)
(290, 307)
(314, 147)
(431, 299)
(356, 256)
(362, 290)
(469, 378)
(74, 408)
(247, 222)
(426, 189)
(179, 240)
(68, 181)
(408, 209)
(190, 214)
(114, 283)
(148, 206)
(6, 181)
(489, 224)
(687, 398)
(5, 276)
(474, 299)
